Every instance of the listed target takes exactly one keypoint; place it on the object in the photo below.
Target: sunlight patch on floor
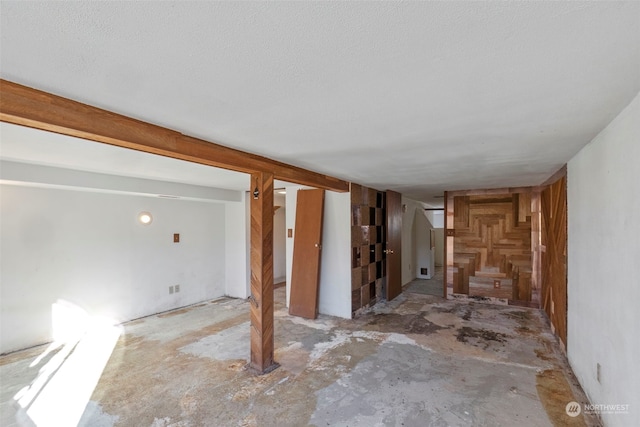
(59, 394)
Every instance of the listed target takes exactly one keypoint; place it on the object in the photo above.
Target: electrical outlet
(177, 288)
(598, 372)
(170, 289)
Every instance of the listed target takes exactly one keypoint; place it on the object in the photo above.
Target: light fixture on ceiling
(281, 191)
(145, 218)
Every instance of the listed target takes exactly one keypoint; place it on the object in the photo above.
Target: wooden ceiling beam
(33, 108)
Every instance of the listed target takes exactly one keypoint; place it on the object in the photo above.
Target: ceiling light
(282, 192)
(145, 218)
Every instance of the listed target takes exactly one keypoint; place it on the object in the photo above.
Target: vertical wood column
(261, 297)
(449, 233)
(536, 248)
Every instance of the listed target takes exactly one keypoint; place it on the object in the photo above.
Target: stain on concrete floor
(405, 323)
(416, 361)
(552, 386)
(480, 336)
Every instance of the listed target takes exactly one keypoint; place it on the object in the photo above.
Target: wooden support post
(536, 248)
(449, 234)
(261, 297)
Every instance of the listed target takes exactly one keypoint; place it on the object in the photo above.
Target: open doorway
(428, 252)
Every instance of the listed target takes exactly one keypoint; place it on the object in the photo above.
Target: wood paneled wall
(368, 235)
(491, 235)
(554, 255)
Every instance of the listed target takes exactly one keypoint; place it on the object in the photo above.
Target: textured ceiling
(419, 97)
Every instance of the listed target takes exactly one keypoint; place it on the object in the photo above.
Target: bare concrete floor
(419, 360)
(433, 286)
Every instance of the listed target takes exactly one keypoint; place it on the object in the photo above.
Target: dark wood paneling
(554, 255)
(307, 247)
(447, 246)
(367, 247)
(394, 244)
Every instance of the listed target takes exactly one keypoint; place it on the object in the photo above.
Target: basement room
(319, 213)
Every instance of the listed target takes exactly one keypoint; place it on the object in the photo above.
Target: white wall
(335, 264)
(335, 267)
(424, 253)
(74, 236)
(436, 218)
(236, 238)
(279, 239)
(416, 242)
(88, 249)
(439, 250)
(603, 256)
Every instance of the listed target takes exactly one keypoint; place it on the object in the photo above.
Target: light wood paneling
(488, 250)
(41, 110)
(554, 255)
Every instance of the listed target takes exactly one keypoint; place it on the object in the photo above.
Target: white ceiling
(26, 145)
(419, 97)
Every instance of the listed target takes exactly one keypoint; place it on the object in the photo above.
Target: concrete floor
(433, 286)
(417, 361)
